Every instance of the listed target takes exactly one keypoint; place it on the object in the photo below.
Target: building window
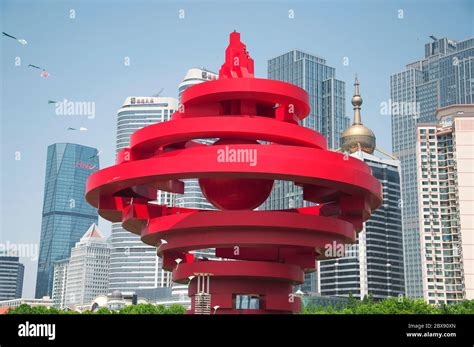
(247, 302)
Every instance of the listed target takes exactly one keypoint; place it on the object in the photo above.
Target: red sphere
(235, 193)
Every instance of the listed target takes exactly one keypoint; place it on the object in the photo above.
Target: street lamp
(215, 308)
(162, 242)
(178, 260)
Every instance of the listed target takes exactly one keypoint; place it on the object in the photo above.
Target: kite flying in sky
(23, 42)
(44, 73)
(80, 129)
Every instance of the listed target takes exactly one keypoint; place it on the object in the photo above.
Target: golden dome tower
(357, 137)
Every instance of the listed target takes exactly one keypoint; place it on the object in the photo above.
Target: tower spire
(357, 137)
(356, 102)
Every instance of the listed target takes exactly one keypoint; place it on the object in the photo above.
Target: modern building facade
(374, 265)
(84, 276)
(445, 172)
(66, 214)
(443, 77)
(59, 282)
(195, 76)
(327, 115)
(133, 264)
(11, 277)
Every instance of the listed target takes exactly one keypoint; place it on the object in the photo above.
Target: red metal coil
(265, 253)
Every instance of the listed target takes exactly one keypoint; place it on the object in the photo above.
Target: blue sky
(85, 57)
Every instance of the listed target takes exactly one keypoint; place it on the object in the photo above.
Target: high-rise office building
(327, 115)
(195, 76)
(442, 78)
(192, 197)
(59, 282)
(445, 172)
(133, 264)
(11, 277)
(374, 265)
(87, 271)
(66, 214)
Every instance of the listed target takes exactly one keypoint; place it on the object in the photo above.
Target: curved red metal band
(266, 270)
(310, 166)
(238, 228)
(258, 89)
(274, 248)
(150, 138)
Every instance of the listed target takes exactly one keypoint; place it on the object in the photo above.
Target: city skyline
(92, 73)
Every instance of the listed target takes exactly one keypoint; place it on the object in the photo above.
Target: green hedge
(392, 306)
(132, 309)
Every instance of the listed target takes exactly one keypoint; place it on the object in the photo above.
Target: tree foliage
(391, 306)
(353, 306)
(26, 309)
(132, 309)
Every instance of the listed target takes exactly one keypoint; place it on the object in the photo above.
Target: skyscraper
(87, 274)
(440, 79)
(192, 197)
(445, 172)
(11, 277)
(59, 282)
(133, 264)
(66, 214)
(327, 116)
(195, 76)
(374, 265)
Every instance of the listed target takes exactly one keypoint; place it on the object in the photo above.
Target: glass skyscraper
(134, 265)
(444, 77)
(66, 214)
(327, 115)
(374, 265)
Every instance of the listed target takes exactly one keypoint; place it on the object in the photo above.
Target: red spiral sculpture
(264, 253)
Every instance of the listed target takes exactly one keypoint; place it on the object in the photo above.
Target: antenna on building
(159, 93)
(433, 38)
